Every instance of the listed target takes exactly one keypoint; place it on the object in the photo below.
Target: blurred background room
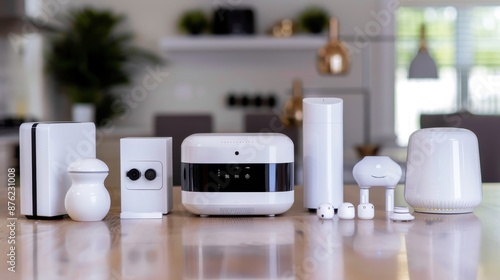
(172, 68)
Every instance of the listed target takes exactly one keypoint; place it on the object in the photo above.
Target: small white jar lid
(88, 165)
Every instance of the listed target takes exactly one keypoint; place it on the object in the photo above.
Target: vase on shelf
(367, 150)
(83, 112)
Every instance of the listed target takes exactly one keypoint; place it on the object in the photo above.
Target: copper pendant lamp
(333, 58)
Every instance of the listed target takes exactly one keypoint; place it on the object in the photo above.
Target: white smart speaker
(323, 152)
(146, 177)
(46, 149)
(237, 174)
(443, 171)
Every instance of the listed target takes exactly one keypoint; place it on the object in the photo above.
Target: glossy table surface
(295, 245)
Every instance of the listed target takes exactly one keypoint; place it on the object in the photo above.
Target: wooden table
(296, 245)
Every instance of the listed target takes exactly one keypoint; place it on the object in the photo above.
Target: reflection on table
(296, 245)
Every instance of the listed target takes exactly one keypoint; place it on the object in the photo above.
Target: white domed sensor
(325, 211)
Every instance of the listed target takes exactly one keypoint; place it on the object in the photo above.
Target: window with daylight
(465, 43)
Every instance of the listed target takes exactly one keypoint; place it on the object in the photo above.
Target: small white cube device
(237, 174)
(366, 211)
(146, 177)
(46, 149)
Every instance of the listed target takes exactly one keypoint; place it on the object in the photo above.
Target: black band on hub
(237, 177)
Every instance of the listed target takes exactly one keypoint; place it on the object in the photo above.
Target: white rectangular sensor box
(46, 149)
(237, 173)
(146, 177)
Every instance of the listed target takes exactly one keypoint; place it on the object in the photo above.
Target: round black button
(134, 174)
(150, 174)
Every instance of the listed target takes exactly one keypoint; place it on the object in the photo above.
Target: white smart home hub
(46, 151)
(146, 177)
(237, 173)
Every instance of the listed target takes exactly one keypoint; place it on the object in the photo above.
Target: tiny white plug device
(401, 214)
(377, 171)
(346, 211)
(366, 211)
(325, 211)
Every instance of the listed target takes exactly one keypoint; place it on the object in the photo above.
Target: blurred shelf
(257, 43)
(241, 43)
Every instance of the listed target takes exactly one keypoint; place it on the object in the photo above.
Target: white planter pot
(83, 112)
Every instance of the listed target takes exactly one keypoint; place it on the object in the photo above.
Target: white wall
(200, 82)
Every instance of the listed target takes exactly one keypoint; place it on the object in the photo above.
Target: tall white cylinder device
(323, 152)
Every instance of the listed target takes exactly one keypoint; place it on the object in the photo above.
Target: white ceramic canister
(443, 173)
(87, 199)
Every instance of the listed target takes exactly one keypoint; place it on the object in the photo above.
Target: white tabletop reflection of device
(224, 248)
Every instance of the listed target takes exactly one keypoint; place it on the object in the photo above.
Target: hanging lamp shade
(333, 58)
(423, 66)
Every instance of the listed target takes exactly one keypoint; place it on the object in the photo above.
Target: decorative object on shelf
(333, 58)
(235, 21)
(292, 112)
(193, 22)
(443, 173)
(365, 150)
(89, 56)
(87, 200)
(423, 66)
(83, 112)
(283, 29)
(313, 20)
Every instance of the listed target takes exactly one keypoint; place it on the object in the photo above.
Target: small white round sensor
(325, 211)
(346, 211)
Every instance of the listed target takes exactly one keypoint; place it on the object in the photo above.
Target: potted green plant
(89, 55)
(193, 22)
(313, 20)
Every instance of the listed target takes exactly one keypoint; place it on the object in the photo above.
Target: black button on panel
(150, 174)
(133, 174)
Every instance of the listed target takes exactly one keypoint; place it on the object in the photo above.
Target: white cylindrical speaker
(443, 171)
(323, 152)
